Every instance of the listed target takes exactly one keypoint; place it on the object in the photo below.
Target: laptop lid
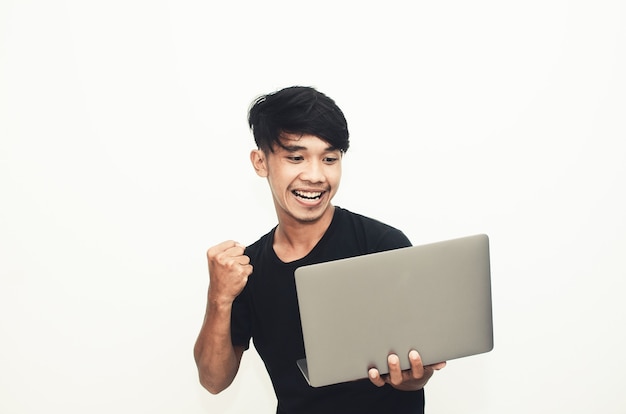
(435, 298)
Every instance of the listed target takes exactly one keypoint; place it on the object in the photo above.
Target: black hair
(297, 110)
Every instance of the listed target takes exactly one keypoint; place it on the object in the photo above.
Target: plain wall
(124, 156)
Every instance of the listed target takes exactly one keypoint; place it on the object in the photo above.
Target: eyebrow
(295, 148)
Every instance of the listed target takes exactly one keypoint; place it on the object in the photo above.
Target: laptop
(435, 298)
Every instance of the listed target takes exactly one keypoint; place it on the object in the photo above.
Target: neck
(294, 239)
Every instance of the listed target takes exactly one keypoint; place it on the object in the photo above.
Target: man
(301, 137)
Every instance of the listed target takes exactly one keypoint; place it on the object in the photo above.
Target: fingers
(413, 378)
(395, 373)
(417, 367)
(376, 378)
(230, 248)
(229, 269)
(228, 254)
(395, 376)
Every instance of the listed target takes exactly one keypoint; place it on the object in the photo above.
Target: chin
(309, 219)
(310, 216)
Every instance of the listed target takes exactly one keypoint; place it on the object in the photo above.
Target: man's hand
(412, 379)
(229, 269)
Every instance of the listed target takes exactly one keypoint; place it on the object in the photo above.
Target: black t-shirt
(267, 311)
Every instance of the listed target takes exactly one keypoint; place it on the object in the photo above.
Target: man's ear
(259, 162)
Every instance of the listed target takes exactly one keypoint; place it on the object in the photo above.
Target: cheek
(335, 175)
(279, 180)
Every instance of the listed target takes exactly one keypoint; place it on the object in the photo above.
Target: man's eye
(330, 160)
(295, 158)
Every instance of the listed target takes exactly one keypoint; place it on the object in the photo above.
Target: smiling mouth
(308, 195)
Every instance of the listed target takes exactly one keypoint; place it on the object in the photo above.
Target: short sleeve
(392, 239)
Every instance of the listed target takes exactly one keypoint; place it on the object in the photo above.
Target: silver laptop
(435, 298)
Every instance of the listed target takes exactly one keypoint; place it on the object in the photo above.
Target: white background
(124, 156)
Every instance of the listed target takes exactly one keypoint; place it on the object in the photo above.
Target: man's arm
(216, 357)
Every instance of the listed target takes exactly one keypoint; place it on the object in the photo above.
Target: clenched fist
(229, 269)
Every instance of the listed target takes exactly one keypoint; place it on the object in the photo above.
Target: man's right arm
(216, 357)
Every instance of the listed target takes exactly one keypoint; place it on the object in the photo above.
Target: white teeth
(308, 194)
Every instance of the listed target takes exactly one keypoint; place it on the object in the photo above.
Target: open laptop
(435, 298)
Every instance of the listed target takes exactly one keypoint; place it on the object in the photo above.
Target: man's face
(303, 176)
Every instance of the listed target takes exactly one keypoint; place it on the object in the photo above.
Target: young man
(301, 137)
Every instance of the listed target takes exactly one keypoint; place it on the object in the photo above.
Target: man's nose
(314, 172)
